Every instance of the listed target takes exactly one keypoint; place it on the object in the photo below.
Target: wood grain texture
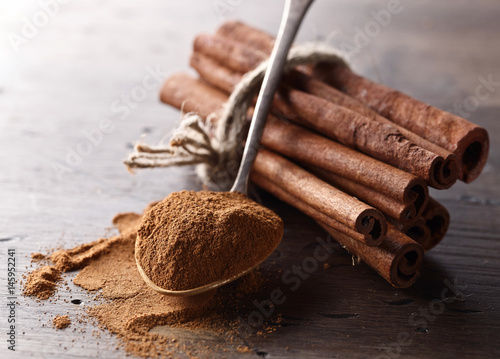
(66, 79)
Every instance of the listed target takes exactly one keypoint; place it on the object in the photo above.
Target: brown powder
(79, 257)
(243, 349)
(36, 257)
(147, 323)
(191, 239)
(42, 282)
(61, 321)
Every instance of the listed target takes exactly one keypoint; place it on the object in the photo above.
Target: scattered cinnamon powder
(37, 257)
(79, 257)
(42, 282)
(61, 321)
(243, 349)
(191, 239)
(148, 323)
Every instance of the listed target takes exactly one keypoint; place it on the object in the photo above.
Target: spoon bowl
(198, 290)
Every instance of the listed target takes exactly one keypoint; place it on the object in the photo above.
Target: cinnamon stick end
(419, 231)
(417, 193)
(372, 224)
(449, 171)
(408, 215)
(438, 221)
(473, 151)
(405, 268)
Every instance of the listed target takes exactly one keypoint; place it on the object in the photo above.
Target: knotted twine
(216, 146)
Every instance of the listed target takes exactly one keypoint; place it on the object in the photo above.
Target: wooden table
(91, 56)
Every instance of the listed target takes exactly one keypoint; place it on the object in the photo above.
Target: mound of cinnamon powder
(42, 283)
(191, 239)
(61, 321)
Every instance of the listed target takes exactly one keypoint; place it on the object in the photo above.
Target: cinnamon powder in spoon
(191, 239)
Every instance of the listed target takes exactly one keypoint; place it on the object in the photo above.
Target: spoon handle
(292, 17)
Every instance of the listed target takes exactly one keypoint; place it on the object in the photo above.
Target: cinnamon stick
(430, 228)
(381, 141)
(447, 172)
(260, 40)
(248, 35)
(237, 57)
(309, 84)
(417, 230)
(397, 259)
(173, 91)
(397, 190)
(261, 180)
(469, 142)
(210, 70)
(402, 212)
(437, 219)
(348, 166)
(323, 197)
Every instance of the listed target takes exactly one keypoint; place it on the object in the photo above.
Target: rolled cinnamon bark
(448, 171)
(400, 188)
(323, 197)
(182, 89)
(379, 140)
(403, 213)
(248, 35)
(261, 180)
(469, 142)
(437, 219)
(203, 98)
(232, 54)
(309, 84)
(417, 230)
(236, 57)
(312, 149)
(221, 77)
(264, 42)
(397, 259)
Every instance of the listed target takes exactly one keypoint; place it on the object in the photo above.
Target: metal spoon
(292, 17)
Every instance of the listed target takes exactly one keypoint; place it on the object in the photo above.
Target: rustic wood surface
(68, 77)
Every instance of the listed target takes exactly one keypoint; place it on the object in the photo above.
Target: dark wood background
(65, 80)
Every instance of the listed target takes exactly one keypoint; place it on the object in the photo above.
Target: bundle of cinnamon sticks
(354, 155)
